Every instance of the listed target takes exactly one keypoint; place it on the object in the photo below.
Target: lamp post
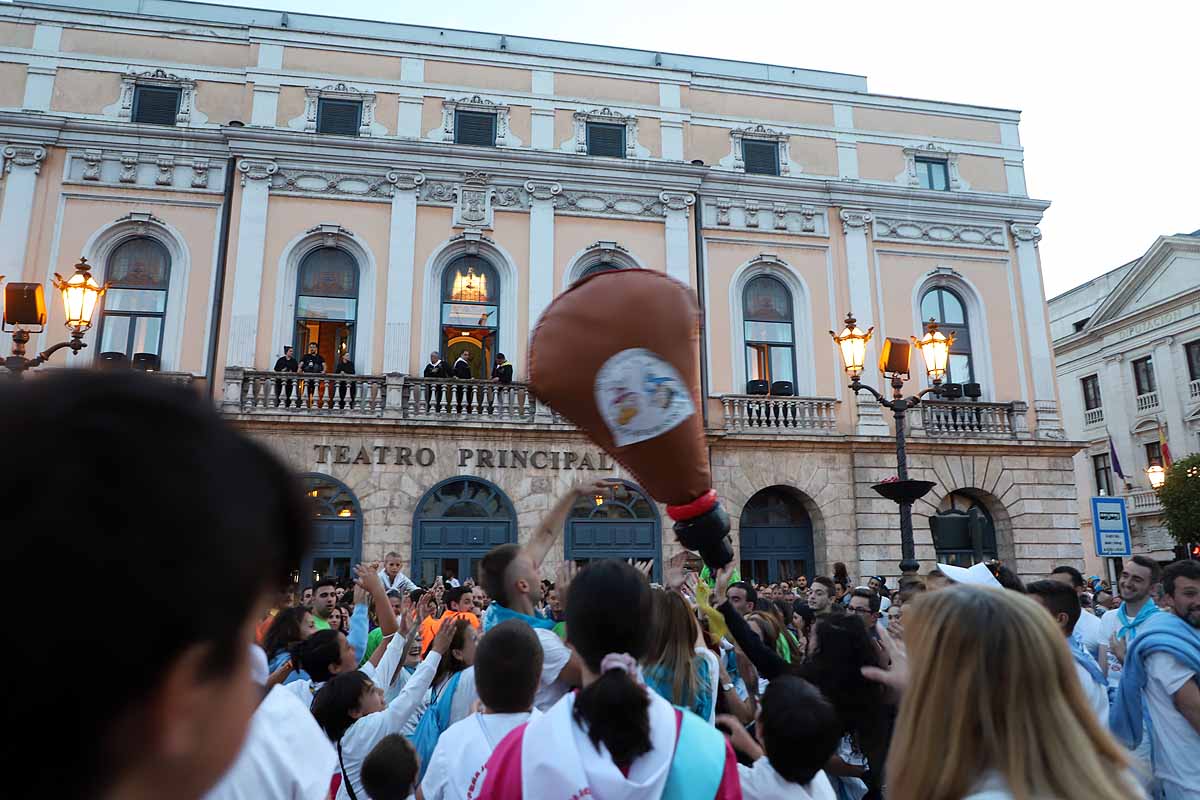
(893, 363)
(25, 313)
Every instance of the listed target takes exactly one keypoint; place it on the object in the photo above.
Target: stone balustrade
(968, 419)
(786, 415)
(1143, 502)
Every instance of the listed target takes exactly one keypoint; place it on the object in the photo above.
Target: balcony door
(470, 320)
(327, 304)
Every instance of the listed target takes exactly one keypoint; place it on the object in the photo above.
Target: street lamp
(893, 363)
(1157, 476)
(25, 312)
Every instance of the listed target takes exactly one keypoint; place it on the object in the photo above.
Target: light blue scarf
(1165, 633)
(1130, 628)
(1084, 659)
(497, 613)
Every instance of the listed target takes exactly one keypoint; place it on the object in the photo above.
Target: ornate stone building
(246, 180)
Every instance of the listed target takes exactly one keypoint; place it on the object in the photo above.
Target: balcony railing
(1093, 416)
(312, 395)
(1147, 402)
(1144, 502)
(439, 400)
(1194, 390)
(969, 419)
(794, 415)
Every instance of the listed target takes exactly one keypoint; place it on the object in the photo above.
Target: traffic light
(1194, 551)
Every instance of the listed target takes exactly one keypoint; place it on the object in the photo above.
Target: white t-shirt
(1089, 632)
(1097, 695)
(462, 750)
(286, 755)
(762, 782)
(1176, 743)
(555, 656)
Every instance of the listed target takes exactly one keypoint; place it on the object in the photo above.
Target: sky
(1107, 90)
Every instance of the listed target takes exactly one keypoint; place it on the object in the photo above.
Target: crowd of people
(593, 682)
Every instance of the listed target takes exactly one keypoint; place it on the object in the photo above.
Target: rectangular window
(339, 117)
(933, 173)
(605, 140)
(475, 127)
(1192, 352)
(1091, 392)
(1080, 323)
(1143, 375)
(155, 105)
(1102, 469)
(1153, 454)
(760, 158)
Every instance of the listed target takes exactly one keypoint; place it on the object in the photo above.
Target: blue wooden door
(622, 524)
(456, 523)
(337, 530)
(776, 538)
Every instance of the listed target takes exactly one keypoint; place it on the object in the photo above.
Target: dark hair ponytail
(613, 710)
(606, 608)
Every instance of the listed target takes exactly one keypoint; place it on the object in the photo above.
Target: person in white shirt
(1087, 629)
(509, 666)
(392, 577)
(351, 710)
(798, 732)
(1063, 605)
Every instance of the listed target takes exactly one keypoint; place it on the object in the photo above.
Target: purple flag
(1116, 462)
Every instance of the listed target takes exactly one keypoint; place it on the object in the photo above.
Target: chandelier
(469, 288)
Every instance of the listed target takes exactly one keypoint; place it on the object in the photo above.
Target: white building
(1127, 348)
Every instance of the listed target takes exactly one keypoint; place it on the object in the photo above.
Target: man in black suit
(502, 373)
(436, 368)
(285, 363)
(462, 367)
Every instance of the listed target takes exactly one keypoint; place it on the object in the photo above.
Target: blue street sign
(1111, 524)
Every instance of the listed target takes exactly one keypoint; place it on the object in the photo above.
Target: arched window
(470, 313)
(768, 330)
(327, 304)
(946, 308)
(776, 537)
(622, 524)
(603, 266)
(456, 523)
(337, 529)
(131, 328)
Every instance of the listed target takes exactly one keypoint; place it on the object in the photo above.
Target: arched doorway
(456, 523)
(337, 529)
(960, 516)
(623, 525)
(776, 537)
(470, 313)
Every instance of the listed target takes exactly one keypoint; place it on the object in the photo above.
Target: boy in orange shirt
(459, 603)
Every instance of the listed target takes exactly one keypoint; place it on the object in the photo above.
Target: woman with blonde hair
(992, 708)
(677, 664)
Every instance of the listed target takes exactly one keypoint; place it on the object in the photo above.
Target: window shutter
(339, 117)
(154, 105)
(605, 140)
(761, 158)
(475, 127)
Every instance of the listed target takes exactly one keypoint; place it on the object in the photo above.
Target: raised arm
(368, 577)
(406, 703)
(359, 623)
(551, 525)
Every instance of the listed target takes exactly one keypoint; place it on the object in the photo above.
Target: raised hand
(368, 577)
(445, 635)
(361, 595)
(425, 606)
(676, 574)
(644, 566)
(897, 676)
(724, 578)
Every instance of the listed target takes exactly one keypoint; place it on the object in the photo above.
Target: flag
(1116, 462)
(1163, 447)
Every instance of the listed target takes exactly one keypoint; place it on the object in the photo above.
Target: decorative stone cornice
(741, 213)
(24, 155)
(856, 218)
(676, 201)
(330, 233)
(962, 234)
(1026, 233)
(405, 181)
(542, 190)
(254, 169)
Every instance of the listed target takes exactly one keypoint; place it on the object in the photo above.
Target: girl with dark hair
(351, 710)
(290, 627)
(843, 646)
(452, 692)
(613, 738)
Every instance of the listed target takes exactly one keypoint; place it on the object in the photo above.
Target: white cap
(977, 575)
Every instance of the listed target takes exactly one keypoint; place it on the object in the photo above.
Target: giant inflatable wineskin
(618, 355)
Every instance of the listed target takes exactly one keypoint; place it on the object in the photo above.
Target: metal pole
(908, 553)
